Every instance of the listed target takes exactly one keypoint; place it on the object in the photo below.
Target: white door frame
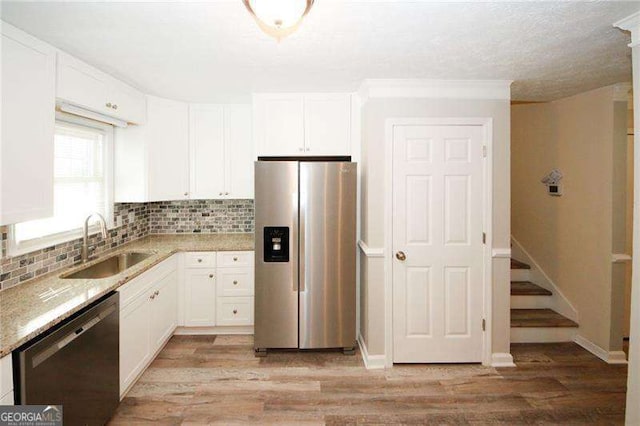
(487, 124)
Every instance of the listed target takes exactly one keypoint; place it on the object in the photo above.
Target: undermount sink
(109, 267)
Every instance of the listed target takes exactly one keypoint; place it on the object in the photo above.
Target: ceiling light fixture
(278, 18)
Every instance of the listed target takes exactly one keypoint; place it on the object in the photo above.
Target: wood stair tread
(527, 288)
(539, 318)
(516, 264)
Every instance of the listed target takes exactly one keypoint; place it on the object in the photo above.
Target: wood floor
(217, 380)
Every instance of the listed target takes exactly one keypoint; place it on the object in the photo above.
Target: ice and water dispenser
(276, 244)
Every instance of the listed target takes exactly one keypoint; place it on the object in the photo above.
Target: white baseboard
(500, 359)
(543, 334)
(371, 362)
(610, 357)
(196, 331)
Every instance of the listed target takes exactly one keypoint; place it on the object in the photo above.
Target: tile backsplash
(16, 269)
(166, 217)
(201, 216)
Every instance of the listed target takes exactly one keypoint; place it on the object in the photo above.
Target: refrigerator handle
(302, 230)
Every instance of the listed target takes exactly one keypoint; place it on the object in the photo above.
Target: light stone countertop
(31, 308)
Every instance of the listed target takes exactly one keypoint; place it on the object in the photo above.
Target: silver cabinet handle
(210, 275)
(300, 149)
(401, 256)
(235, 259)
(199, 260)
(220, 193)
(186, 194)
(108, 104)
(235, 311)
(226, 193)
(114, 106)
(157, 292)
(153, 296)
(235, 282)
(308, 149)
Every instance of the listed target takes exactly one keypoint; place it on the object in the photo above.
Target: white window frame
(15, 248)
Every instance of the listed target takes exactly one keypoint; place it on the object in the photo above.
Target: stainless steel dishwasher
(76, 365)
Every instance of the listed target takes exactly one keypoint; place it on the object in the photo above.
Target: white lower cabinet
(135, 341)
(148, 317)
(6, 381)
(200, 297)
(194, 290)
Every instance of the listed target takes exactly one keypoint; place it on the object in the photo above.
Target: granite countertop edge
(162, 246)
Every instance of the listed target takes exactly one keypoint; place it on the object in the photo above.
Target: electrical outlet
(132, 217)
(118, 221)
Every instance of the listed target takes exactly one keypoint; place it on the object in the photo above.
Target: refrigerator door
(276, 274)
(327, 255)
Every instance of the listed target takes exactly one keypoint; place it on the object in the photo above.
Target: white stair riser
(530, 302)
(520, 275)
(543, 334)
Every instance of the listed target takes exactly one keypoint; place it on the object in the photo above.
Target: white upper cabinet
(279, 124)
(221, 151)
(239, 151)
(206, 143)
(28, 120)
(82, 85)
(327, 124)
(152, 160)
(309, 124)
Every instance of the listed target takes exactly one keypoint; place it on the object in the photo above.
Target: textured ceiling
(213, 51)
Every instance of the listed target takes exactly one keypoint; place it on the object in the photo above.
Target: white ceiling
(213, 51)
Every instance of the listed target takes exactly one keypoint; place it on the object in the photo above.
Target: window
(82, 185)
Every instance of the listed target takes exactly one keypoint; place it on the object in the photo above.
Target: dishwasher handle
(52, 349)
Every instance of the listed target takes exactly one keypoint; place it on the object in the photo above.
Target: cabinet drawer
(231, 259)
(200, 260)
(234, 311)
(7, 399)
(235, 282)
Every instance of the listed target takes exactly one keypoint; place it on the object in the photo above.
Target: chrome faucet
(85, 235)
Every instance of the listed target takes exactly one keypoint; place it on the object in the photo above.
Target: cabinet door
(200, 298)
(127, 103)
(167, 141)
(82, 85)
(239, 151)
(327, 124)
(135, 351)
(164, 310)
(279, 124)
(28, 119)
(206, 143)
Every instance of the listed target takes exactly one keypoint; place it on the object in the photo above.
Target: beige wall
(571, 236)
(374, 115)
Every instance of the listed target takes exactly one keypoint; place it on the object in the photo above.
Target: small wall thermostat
(554, 189)
(552, 181)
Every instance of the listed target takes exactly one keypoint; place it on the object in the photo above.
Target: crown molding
(435, 89)
(631, 23)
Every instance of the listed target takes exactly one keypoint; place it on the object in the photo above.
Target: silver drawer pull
(157, 292)
(235, 259)
(153, 296)
(199, 260)
(235, 282)
(108, 104)
(235, 311)
(210, 275)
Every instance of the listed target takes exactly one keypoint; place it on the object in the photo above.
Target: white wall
(374, 114)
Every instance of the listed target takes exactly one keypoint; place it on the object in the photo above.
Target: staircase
(532, 320)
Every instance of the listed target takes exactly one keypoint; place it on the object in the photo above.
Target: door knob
(401, 256)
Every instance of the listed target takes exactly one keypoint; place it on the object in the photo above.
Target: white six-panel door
(437, 230)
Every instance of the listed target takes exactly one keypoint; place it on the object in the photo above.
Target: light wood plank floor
(217, 380)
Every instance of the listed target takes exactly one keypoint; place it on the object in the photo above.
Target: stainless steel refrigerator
(305, 263)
